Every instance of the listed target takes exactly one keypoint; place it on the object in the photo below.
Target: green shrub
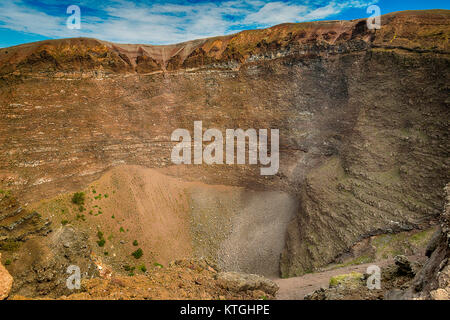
(135, 243)
(128, 268)
(78, 198)
(101, 242)
(143, 268)
(7, 262)
(64, 222)
(138, 253)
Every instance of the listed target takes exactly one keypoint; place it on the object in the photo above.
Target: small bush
(143, 268)
(158, 265)
(101, 242)
(64, 222)
(7, 262)
(135, 243)
(138, 253)
(78, 198)
(128, 268)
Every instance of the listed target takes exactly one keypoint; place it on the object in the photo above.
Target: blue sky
(164, 22)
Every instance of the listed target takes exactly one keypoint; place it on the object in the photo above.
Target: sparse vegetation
(10, 245)
(128, 268)
(138, 253)
(135, 243)
(78, 198)
(64, 222)
(101, 240)
(8, 262)
(158, 265)
(143, 268)
(351, 278)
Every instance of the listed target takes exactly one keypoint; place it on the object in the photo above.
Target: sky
(166, 22)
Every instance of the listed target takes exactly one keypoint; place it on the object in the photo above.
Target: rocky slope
(182, 279)
(416, 277)
(363, 119)
(433, 280)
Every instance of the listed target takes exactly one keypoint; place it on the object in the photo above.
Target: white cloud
(162, 23)
(276, 13)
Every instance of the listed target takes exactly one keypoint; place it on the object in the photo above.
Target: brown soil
(171, 219)
(181, 280)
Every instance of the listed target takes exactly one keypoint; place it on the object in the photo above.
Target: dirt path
(297, 288)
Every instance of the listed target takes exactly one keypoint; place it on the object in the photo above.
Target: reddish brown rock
(6, 281)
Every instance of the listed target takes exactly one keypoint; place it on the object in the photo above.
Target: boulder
(440, 294)
(237, 282)
(6, 281)
(404, 266)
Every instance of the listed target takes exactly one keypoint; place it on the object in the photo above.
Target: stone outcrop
(6, 281)
(433, 281)
(237, 282)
